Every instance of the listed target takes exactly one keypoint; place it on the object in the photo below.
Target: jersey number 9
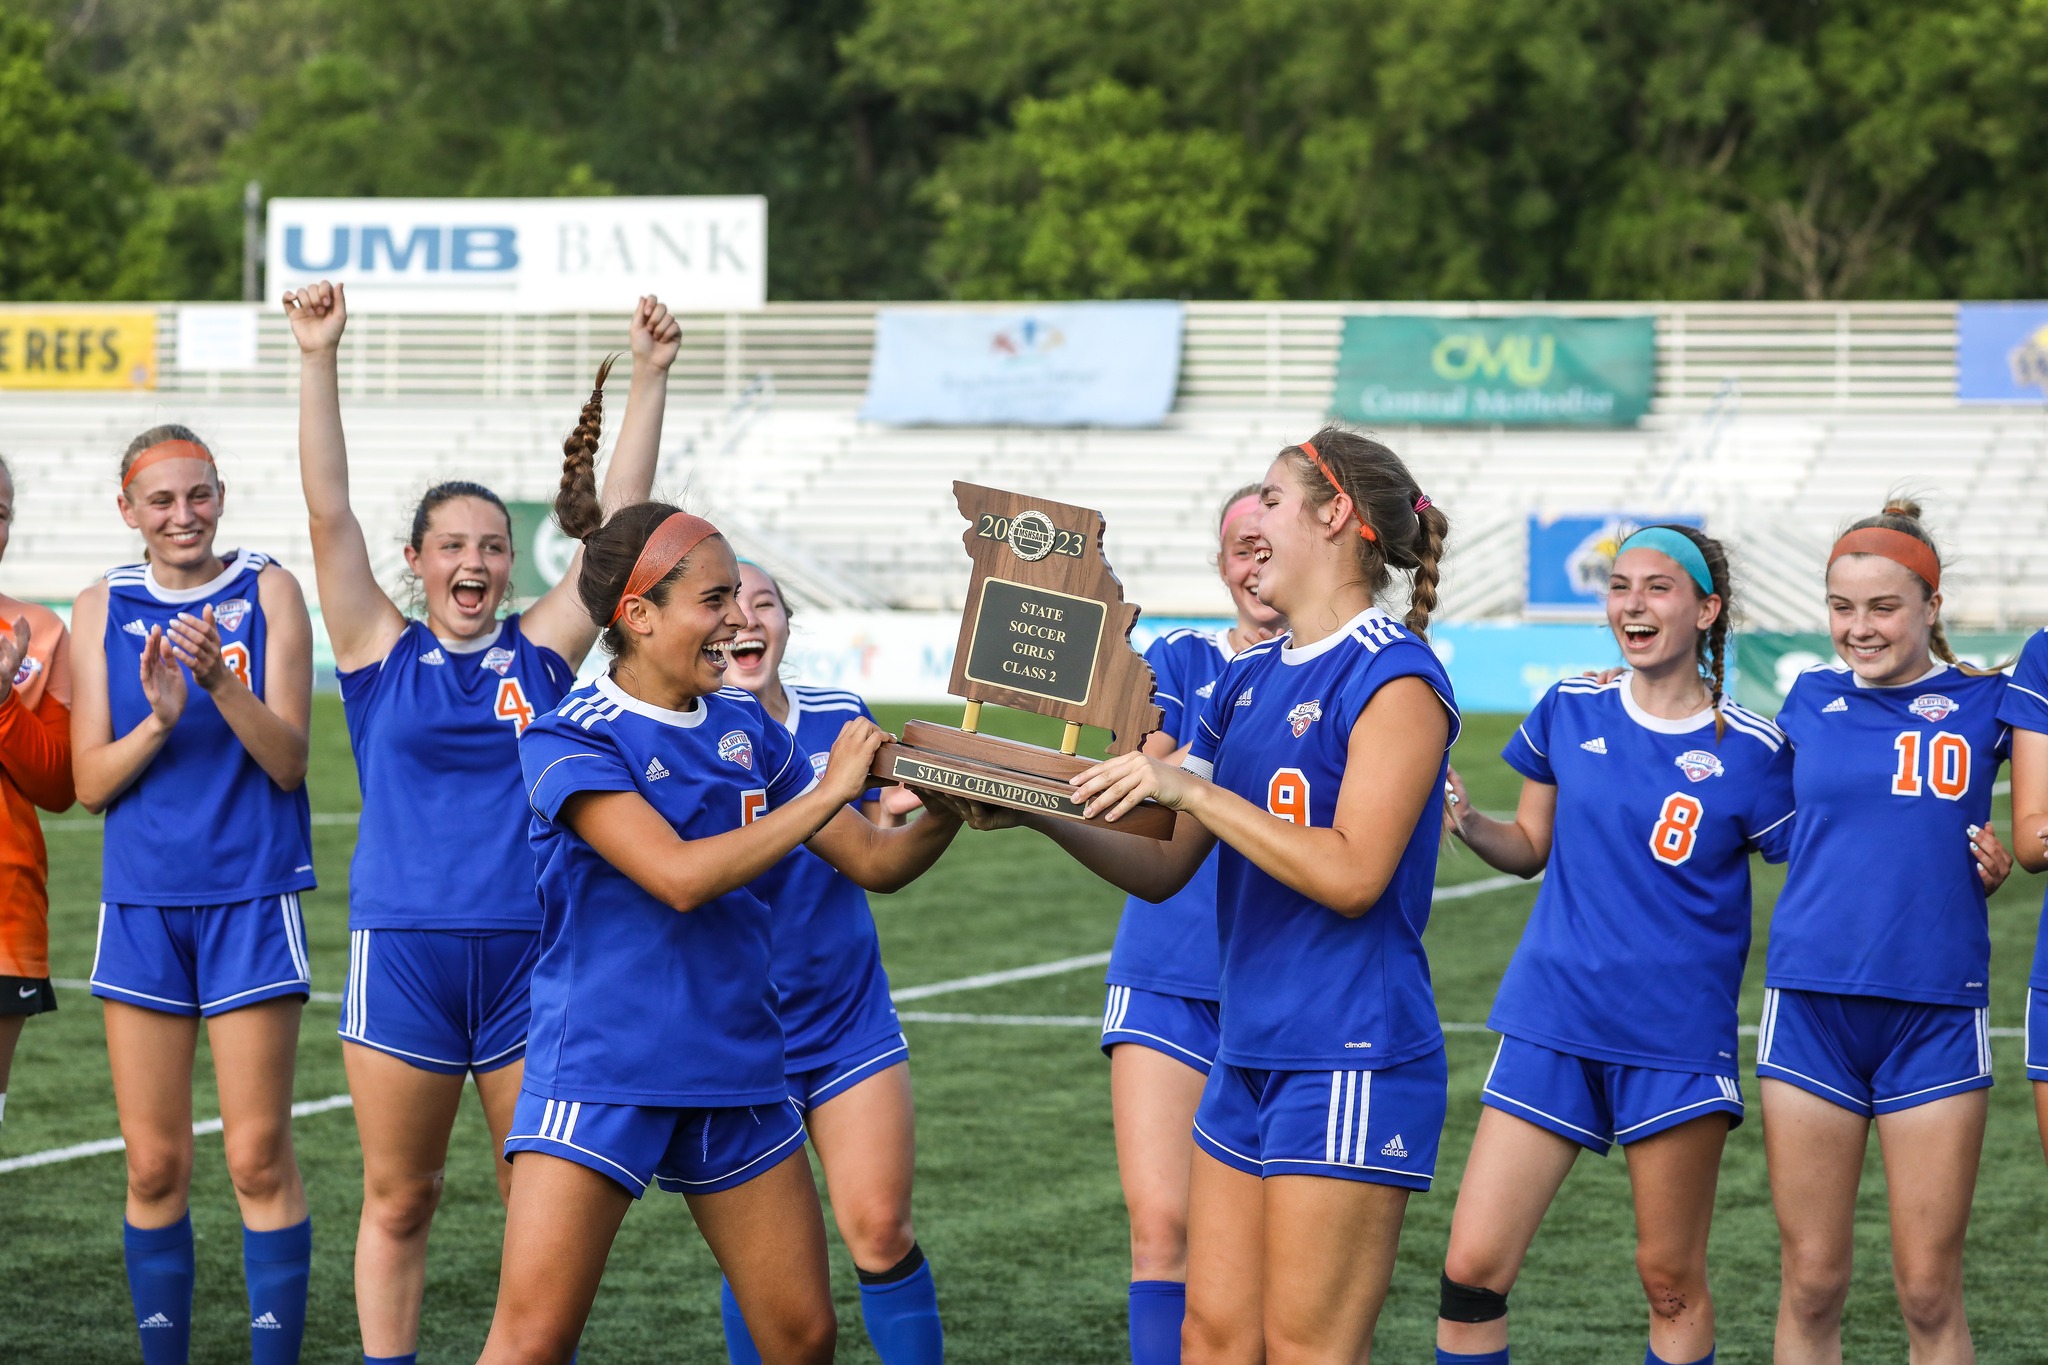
(1678, 829)
(1948, 765)
(1287, 796)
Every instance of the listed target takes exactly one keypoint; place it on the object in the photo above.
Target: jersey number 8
(1678, 829)
(1948, 765)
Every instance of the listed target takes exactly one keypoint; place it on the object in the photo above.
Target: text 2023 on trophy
(1047, 630)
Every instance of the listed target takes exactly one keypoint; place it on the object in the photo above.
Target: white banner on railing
(699, 253)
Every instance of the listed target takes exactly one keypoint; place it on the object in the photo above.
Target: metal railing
(1785, 356)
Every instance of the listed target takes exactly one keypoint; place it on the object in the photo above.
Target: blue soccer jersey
(1170, 946)
(633, 1002)
(1883, 897)
(829, 981)
(202, 823)
(435, 728)
(1635, 949)
(2026, 708)
(1305, 988)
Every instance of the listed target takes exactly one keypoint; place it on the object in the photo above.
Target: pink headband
(677, 535)
(1248, 503)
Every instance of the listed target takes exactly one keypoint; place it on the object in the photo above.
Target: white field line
(303, 1109)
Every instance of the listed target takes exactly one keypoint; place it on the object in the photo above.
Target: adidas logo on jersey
(1303, 716)
(498, 660)
(268, 1322)
(230, 614)
(1596, 745)
(655, 770)
(1698, 765)
(156, 1320)
(135, 628)
(434, 656)
(735, 747)
(1395, 1147)
(1244, 698)
(1838, 704)
(1206, 690)
(1933, 706)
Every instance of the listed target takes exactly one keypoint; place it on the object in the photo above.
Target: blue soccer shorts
(1597, 1104)
(1870, 1055)
(1178, 1026)
(2037, 1029)
(1379, 1127)
(443, 1001)
(814, 1085)
(685, 1151)
(202, 959)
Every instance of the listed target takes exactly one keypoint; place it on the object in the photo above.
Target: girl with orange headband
(1159, 1022)
(193, 685)
(444, 923)
(658, 796)
(1318, 766)
(1880, 950)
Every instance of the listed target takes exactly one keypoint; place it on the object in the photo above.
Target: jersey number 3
(512, 705)
(1948, 765)
(1678, 829)
(236, 657)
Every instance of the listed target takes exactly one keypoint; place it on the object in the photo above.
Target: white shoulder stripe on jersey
(1524, 733)
(2029, 691)
(1770, 737)
(1774, 824)
(544, 777)
(1736, 708)
(1157, 694)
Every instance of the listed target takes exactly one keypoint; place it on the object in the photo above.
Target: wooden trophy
(1047, 630)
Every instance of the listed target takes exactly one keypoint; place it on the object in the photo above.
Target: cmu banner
(705, 254)
(1060, 365)
(2002, 352)
(1521, 371)
(77, 347)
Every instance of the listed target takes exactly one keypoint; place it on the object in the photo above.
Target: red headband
(161, 451)
(679, 534)
(1364, 526)
(1897, 546)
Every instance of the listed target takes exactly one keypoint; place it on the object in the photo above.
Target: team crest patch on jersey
(1206, 690)
(819, 763)
(735, 747)
(1933, 706)
(230, 614)
(434, 656)
(29, 668)
(1838, 704)
(1303, 716)
(135, 628)
(498, 659)
(1698, 765)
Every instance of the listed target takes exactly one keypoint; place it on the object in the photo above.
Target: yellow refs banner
(45, 347)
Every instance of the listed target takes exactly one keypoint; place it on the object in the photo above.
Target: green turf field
(1017, 1196)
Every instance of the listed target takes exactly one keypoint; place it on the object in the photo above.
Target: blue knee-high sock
(739, 1342)
(1499, 1357)
(1650, 1357)
(160, 1283)
(277, 1266)
(900, 1308)
(1157, 1310)
(409, 1358)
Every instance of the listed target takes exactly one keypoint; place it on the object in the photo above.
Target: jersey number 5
(1948, 765)
(513, 706)
(236, 657)
(1678, 829)
(1287, 796)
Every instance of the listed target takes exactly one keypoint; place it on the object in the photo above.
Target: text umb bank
(699, 253)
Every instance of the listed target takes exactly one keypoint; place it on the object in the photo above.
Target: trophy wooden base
(1003, 772)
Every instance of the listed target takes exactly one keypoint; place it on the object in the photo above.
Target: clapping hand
(163, 680)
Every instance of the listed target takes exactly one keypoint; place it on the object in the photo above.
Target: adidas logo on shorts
(156, 1320)
(1395, 1147)
(1596, 745)
(1838, 704)
(268, 1321)
(655, 770)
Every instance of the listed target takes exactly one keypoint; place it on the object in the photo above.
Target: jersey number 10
(1948, 765)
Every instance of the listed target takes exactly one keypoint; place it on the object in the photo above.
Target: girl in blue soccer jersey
(444, 922)
(2025, 709)
(1159, 1021)
(844, 1054)
(1643, 798)
(1874, 1000)
(193, 674)
(659, 797)
(1319, 766)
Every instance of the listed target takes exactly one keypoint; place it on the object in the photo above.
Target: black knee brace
(1470, 1303)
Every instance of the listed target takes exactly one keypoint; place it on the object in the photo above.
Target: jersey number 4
(1678, 829)
(512, 705)
(1948, 765)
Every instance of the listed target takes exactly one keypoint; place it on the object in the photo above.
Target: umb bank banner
(1511, 372)
(702, 254)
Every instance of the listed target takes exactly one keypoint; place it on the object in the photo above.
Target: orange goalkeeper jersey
(35, 770)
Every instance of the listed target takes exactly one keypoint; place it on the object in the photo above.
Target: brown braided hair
(1902, 514)
(1383, 491)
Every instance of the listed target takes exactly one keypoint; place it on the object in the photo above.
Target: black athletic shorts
(27, 995)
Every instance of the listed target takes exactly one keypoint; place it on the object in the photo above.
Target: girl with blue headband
(1644, 795)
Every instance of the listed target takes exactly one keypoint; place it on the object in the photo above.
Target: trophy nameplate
(1047, 630)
